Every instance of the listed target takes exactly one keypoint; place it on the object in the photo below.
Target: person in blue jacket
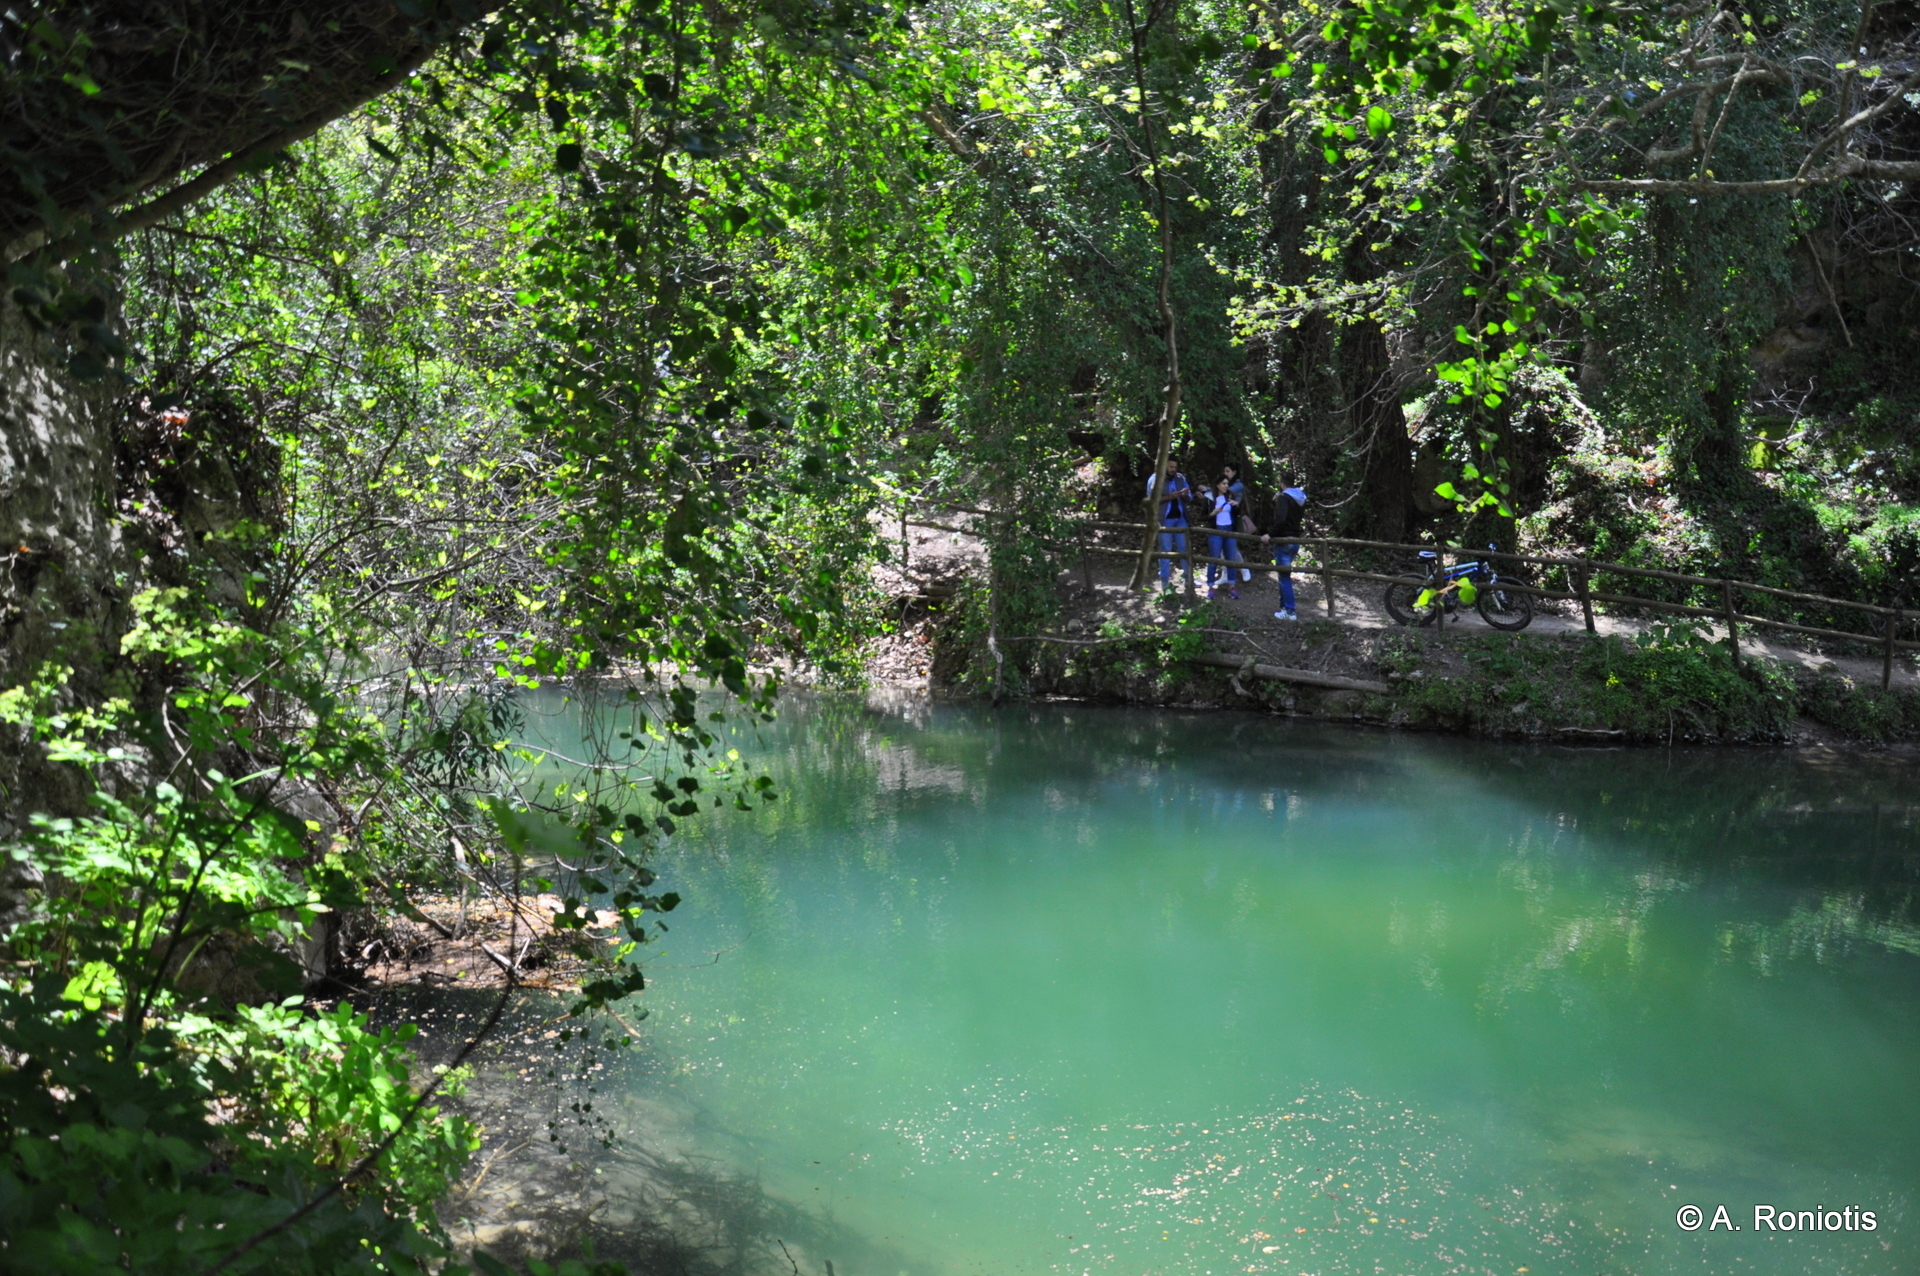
(1288, 510)
(1173, 513)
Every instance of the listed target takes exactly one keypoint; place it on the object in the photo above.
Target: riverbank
(1630, 685)
(1632, 681)
(1502, 686)
(475, 941)
(571, 1163)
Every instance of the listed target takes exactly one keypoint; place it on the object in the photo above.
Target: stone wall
(64, 593)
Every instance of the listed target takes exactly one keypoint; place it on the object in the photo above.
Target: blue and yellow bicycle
(1420, 600)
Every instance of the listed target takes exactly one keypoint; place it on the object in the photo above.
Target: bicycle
(1417, 600)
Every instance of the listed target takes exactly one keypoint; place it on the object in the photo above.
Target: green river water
(1064, 989)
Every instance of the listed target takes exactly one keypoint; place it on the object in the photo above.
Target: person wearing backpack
(1288, 511)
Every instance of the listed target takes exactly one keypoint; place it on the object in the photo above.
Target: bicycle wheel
(1504, 608)
(1400, 598)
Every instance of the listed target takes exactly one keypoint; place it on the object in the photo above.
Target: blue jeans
(1223, 547)
(1284, 555)
(1168, 545)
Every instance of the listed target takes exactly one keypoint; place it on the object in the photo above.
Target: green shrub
(1860, 713)
(160, 1114)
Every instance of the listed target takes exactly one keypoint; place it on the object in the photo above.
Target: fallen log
(1280, 673)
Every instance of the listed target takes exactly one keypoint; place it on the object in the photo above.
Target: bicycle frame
(1447, 579)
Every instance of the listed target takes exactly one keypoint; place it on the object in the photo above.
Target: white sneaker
(1284, 615)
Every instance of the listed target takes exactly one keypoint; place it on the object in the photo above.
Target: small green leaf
(1379, 121)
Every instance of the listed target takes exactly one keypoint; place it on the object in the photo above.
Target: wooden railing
(1579, 571)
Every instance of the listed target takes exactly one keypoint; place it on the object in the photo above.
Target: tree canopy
(439, 353)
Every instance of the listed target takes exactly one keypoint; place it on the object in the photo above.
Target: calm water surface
(1077, 990)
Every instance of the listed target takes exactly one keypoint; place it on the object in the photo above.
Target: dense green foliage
(597, 346)
(167, 1095)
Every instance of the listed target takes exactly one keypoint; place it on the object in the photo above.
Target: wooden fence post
(1886, 666)
(1326, 576)
(993, 630)
(1186, 534)
(1733, 636)
(1580, 586)
(1438, 626)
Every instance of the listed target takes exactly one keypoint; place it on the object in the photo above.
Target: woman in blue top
(1225, 517)
(1238, 491)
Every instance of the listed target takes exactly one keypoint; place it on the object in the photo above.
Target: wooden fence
(1579, 572)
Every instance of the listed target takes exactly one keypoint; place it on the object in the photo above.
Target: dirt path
(938, 558)
(1357, 606)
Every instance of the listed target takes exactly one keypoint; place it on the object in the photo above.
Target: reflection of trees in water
(1804, 857)
(1600, 932)
(1817, 821)
(567, 1164)
(1833, 928)
(1804, 854)
(1812, 844)
(840, 757)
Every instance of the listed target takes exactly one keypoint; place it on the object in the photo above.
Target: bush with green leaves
(167, 1105)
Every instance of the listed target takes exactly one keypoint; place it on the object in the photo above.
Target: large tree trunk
(1379, 429)
(1169, 320)
(1716, 452)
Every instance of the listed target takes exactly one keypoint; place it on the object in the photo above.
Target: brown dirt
(473, 944)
